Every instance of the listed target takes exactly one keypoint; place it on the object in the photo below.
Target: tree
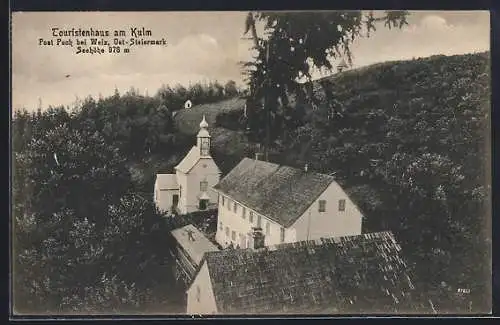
(230, 89)
(293, 45)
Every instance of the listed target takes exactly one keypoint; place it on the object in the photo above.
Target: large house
(188, 190)
(352, 274)
(289, 204)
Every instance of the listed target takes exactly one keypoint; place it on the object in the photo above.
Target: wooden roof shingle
(354, 274)
(281, 193)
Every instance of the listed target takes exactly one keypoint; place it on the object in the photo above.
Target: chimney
(306, 167)
(256, 238)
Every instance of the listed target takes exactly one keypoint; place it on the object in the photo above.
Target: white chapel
(189, 189)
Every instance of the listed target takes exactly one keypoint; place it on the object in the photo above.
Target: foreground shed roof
(354, 274)
(194, 243)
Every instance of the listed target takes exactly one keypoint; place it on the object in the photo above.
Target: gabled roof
(354, 274)
(281, 193)
(166, 182)
(194, 243)
(189, 160)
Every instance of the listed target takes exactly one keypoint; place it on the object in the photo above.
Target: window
(203, 186)
(233, 235)
(227, 231)
(180, 190)
(235, 207)
(268, 228)
(243, 241)
(259, 221)
(342, 205)
(220, 226)
(243, 213)
(250, 217)
(202, 205)
(198, 293)
(322, 206)
(282, 234)
(228, 204)
(222, 200)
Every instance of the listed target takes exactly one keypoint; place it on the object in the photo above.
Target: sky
(201, 46)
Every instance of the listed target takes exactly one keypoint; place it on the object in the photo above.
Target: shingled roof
(281, 193)
(354, 274)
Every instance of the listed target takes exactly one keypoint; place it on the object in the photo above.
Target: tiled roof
(194, 243)
(354, 274)
(166, 181)
(278, 192)
(189, 160)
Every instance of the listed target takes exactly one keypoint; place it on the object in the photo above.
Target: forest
(409, 140)
(86, 235)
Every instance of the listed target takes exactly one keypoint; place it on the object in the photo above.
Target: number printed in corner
(114, 49)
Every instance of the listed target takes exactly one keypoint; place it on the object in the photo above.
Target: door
(203, 204)
(175, 200)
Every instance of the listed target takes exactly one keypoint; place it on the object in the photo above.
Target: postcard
(280, 163)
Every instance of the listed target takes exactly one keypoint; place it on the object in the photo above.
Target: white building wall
(164, 199)
(331, 223)
(228, 217)
(200, 295)
(182, 181)
(205, 169)
(311, 225)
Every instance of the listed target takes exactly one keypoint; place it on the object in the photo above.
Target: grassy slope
(362, 91)
(395, 87)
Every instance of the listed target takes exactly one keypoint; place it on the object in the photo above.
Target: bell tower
(203, 142)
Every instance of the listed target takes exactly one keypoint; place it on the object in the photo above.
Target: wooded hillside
(409, 140)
